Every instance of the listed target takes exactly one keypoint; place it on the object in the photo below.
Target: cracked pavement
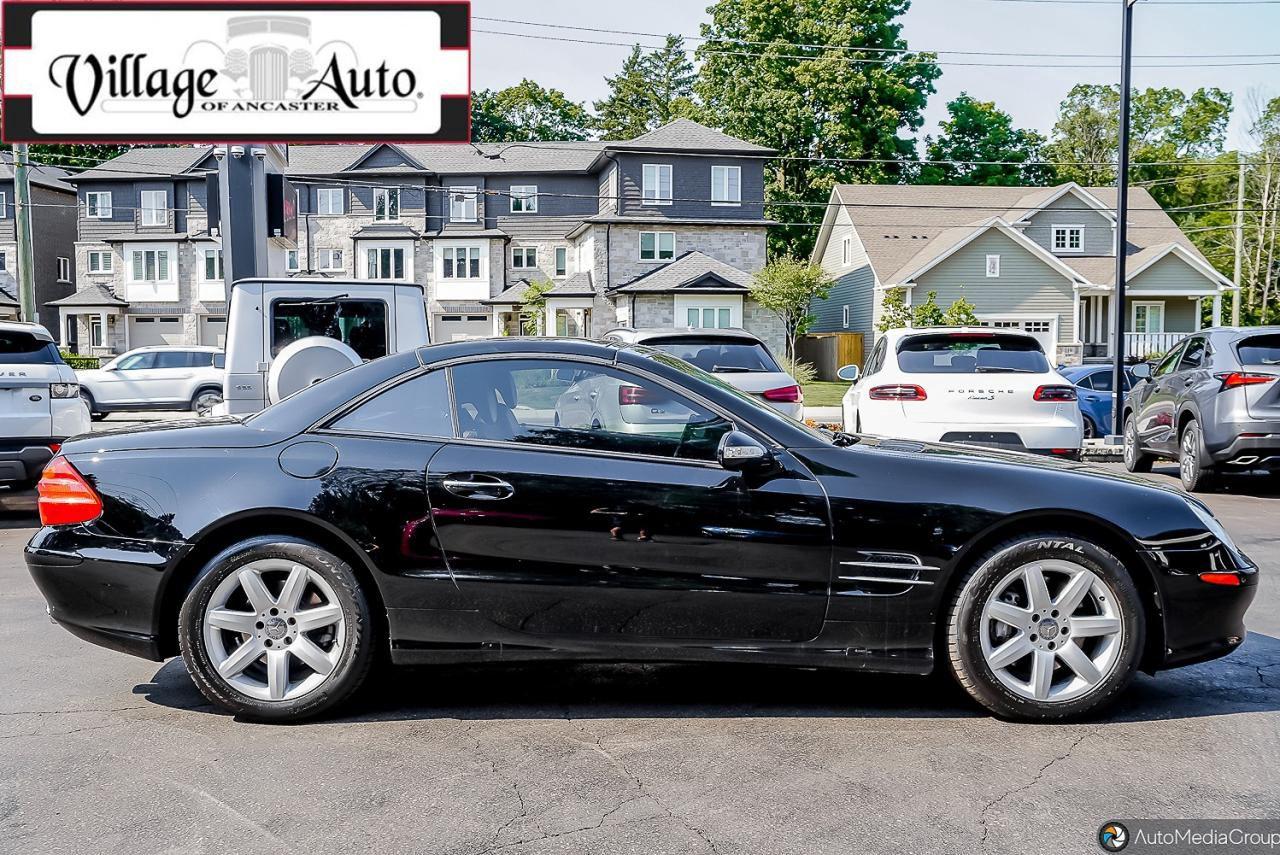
(103, 753)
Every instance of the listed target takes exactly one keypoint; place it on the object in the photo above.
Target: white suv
(40, 403)
(156, 378)
(972, 385)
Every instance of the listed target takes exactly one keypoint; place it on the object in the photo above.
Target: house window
(291, 261)
(524, 199)
(460, 262)
(386, 204)
(562, 261)
(726, 185)
(97, 205)
(329, 200)
(462, 205)
(154, 208)
(993, 266)
(708, 317)
(100, 261)
(844, 316)
(657, 246)
(64, 269)
(330, 259)
(150, 265)
(4, 208)
(657, 184)
(97, 335)
(1148, 317)
(524, 257)
(4, 261)
(1068, 238)
(385, 262)
(213, 265)
(844, 251)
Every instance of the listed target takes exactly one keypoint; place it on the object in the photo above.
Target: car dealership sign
(167, 71)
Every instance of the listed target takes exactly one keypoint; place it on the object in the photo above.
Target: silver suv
(1212, 404)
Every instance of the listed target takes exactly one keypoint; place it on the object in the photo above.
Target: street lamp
(1122, 217)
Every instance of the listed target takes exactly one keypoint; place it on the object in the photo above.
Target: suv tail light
(1055, 393)
(1243, 378)
(65, 498)
(632, 395)
(898, 392)
(784, 395)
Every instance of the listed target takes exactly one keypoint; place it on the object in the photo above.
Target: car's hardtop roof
(902, 334)
(35, 330)
(147, 348)
(430, 354)
(640, 336)
(303, 282)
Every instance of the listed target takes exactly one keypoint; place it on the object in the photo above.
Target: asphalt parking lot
(103, 753)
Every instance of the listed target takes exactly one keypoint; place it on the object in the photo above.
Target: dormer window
(1068, 239)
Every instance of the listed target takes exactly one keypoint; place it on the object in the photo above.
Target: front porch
(1154, 323)
(91, 322)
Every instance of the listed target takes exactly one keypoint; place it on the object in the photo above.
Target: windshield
(719, 355)
(22, 348)
(359, 324)
(971, 353)
(1260, 350)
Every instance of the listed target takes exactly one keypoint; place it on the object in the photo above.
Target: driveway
(104, 753)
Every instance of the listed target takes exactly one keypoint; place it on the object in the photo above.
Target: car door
(1193, 374)
(622, 532)
(125, 383)
(1156, 410)
(171, 378)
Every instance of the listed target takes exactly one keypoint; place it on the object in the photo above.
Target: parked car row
(158, 378)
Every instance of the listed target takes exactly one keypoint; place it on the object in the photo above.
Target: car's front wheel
(1135, 459)
(276, 629)
(1045, 627)
(205, 400)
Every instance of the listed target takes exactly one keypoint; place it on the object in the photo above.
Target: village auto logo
(106, 70)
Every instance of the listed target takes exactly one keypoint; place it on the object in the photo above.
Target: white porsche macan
(972, 385)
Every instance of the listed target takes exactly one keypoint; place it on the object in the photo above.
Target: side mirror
(849, 373)
(738, 451)
(1141, 371)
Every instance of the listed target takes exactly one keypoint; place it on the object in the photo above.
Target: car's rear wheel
(1135, 459)
(1045, 627)
(205, 400)
(1194, 466)
(276, 629)
(89, 402)
(1090, 429)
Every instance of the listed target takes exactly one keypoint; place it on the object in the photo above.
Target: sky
(1030, 95)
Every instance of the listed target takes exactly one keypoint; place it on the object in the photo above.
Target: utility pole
(1122, 219)
(22, 210)
(1235, 299)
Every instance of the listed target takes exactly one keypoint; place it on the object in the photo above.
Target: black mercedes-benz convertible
(537, 498)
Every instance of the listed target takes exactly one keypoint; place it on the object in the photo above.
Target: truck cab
(283, 334)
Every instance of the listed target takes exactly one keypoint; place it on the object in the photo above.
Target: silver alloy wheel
(1130, 442)
(1089, 430)
(206, 401)
(1189, 462)
(274, 630)
(1051, 631)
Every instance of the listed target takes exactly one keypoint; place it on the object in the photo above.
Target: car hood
(225, 432)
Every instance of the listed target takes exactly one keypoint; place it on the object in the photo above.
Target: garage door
(163, 329)
(458, 327)
(1045, 332)
(213, 330)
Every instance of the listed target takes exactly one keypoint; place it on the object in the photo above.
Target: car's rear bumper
(1254, 447)
(106, 591)
(22, 459)
(1058, 439)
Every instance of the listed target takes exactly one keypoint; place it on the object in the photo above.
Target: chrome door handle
(483, 487)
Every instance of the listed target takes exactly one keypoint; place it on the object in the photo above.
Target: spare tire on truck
(306, 362)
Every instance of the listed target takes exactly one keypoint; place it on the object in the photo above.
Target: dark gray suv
(1212, 404)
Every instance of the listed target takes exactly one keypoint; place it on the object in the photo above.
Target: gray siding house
(476, 226)
(53, 229)
(1040, 259)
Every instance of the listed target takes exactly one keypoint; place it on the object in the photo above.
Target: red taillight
(633, 395)
(898, 392)
(1053, 394)
(784, 395)
(55, 447)
(1228, 579)
(65, 498)
(1243, 378)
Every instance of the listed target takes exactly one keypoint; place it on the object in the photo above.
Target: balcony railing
(1147, 345)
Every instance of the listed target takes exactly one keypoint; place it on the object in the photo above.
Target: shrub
(804, 372)
(82, 363)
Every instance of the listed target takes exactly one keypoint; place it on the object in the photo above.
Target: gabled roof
(39, 174)
(693, 272)
(577, 285)
(91, 295)
(7, 299)
(146, 163)
(949, 242)
(1043, 197)
(688, 135)
(385, 231)
(513, 294)
(410, 163)
(1141, 261)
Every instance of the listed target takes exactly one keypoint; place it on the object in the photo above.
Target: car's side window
(137, 362)
(1193, 356)
(877, 357)
(1169, 362)
(1087, 381)
(417, 407)
(172, 359)
(581, 405)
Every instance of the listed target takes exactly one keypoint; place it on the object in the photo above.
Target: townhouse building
(53, 229)
(664, 230)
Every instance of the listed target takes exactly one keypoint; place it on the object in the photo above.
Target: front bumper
(22, 460)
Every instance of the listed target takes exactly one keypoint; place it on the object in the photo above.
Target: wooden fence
(827, 352)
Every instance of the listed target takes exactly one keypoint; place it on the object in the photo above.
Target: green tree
(651, 89)
(75, 157)
(527, 112)
(976, 131)
(533, 307)
(787, 286)
(852, 97)
(960, 314)
(928, 313)
(894, 314)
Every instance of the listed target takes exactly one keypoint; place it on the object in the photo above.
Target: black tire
(1195, 467)
(963, 645)
(195, 399)
(94, 415)
(354, 662)
(1135, 459)
(1090, 429)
